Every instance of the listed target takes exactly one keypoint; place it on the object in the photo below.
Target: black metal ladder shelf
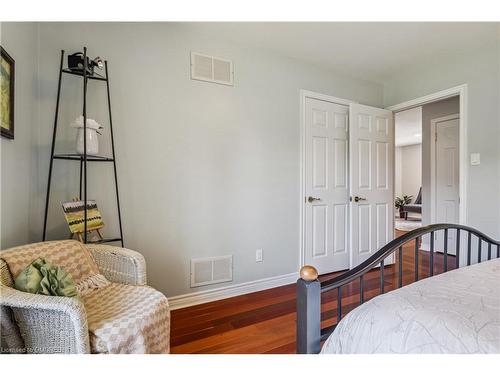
(83, 159)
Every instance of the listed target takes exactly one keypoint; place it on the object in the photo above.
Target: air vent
(205, 271)
(211, 69)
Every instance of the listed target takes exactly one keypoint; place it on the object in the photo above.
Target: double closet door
(349, 174)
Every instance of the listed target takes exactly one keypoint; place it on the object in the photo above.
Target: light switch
(475, 159)
(259, 255)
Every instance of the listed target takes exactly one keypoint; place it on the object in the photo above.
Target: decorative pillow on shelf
(43, 277)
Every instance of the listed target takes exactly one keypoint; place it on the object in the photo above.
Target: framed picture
(7, 74)
(74, 212)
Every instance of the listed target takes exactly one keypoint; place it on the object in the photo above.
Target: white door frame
(434, 121)
(461, 92)
(327, 98)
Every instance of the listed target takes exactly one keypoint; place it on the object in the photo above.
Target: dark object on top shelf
(76, 63)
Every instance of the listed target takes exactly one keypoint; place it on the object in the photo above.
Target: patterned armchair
(115, 312)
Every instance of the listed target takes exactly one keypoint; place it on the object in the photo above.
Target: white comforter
(455, 312)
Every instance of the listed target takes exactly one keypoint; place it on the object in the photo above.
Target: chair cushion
(128, 319)
(70, 255)
(413, 208)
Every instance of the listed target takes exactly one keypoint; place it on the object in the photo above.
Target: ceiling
(368, 50)
(409, 127)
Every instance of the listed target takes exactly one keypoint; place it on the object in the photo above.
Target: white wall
(20, 41)
(479, 69)
(411, 169)
(498, 102)
(203, 169)
(398, 173)
(206, 169)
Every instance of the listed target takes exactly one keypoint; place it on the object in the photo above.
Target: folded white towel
(91, 124)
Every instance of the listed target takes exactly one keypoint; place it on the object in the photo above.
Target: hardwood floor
(264, 322)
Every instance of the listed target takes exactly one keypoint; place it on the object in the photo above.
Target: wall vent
(206, 271)
(211, 69)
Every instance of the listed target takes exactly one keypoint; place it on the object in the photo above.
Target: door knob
(312, 199)
(357, 199)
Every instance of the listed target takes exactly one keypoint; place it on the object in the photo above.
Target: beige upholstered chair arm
(120, 265)
(48, 324)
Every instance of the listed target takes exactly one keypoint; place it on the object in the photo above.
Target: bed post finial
(308, 311)
(308, 273)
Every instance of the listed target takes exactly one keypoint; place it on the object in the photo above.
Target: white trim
(327, 98)
(434, 121)
(196, 298)
(434, 97)
(461, 91)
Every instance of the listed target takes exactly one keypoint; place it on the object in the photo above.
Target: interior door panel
(371, 144)
(326, 185)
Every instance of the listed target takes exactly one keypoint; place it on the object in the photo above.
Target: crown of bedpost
(308, 273)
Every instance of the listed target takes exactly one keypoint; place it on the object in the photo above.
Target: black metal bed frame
(309, 288)
(83, 159)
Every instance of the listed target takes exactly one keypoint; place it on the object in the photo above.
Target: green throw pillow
(43, 277)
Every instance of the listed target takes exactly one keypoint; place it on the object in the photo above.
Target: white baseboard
(196, 298)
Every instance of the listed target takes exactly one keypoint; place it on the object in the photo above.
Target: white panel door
(326, 186)
(371, 145)
(447, 178)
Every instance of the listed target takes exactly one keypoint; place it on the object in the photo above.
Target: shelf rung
(96, 76)
(80, 157)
